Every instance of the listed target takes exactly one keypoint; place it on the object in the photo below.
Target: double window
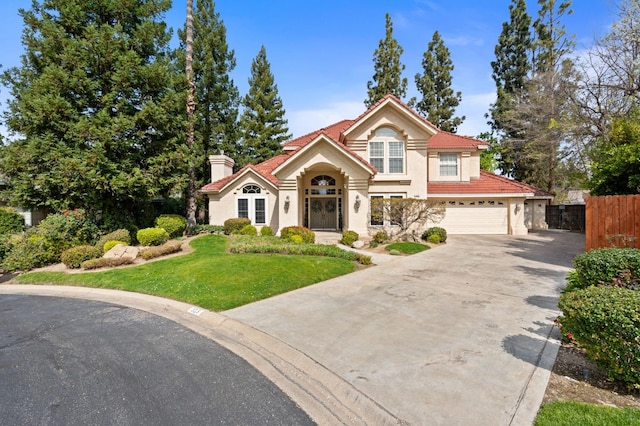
(386, 152)
(252, 204)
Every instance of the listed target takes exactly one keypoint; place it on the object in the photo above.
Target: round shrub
(381, 237)
(434, 239)
(74, 256)
(266, 231)
(436, 230)
(111, 244)
(619, 267)
(152, 236)
(174, 224)
(349, 237)
(235, 224)
(117, 235)
(249, 230)
(308, 236)
(11, 222)
(606, 322)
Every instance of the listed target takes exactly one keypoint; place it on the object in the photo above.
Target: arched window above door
(323, 180)
(251, 189)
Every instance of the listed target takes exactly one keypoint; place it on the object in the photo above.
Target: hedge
(606, 266)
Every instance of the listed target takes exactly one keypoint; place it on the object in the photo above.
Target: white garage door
(476, 217)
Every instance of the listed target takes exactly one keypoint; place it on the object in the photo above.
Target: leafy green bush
(349, 237)
(436, 230)
(235, 224)
(117, 235)
(5, 248)
(381, 237)
(206, 229)
(606, 322)
(167, 248)
(266, 231)
(11, 222)
(26, 253)
(74, 256)
(618, 267)
(174, 224)
(296, 239)
(434, 239)
(111, 244)
(308, 236)
(249, 230)
(106, 262)
(152, 236)
(246, 244)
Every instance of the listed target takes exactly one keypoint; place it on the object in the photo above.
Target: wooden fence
(612, 221)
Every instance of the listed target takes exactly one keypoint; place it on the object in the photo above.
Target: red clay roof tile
(488, 183)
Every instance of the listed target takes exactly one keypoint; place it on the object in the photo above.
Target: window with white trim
(448, 164)
(252, 204)
(387, 152)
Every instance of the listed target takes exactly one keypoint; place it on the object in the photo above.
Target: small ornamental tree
(406, 215)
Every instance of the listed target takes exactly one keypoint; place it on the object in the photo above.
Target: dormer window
(386, 151)
(448, 164)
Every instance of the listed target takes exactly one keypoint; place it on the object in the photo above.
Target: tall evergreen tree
(387, 77)
(216, 97)
(439, 102)
(511, 71)
(190, 106)
(263, 127)
(95, 104)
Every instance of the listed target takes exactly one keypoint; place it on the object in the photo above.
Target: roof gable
(261, 170)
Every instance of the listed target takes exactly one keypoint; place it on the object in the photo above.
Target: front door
(324, 214)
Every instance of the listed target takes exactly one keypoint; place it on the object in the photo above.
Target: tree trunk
(191, 106)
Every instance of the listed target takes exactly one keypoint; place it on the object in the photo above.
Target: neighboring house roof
(488, 183)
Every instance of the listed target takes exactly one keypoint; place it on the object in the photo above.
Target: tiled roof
(334, 131)
(263, 169)
(488, 183)
(446, 140)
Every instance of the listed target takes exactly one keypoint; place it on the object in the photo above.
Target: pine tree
(95, 103)
(216, 97)
(439, 102)
(387, 77)
(263, 127)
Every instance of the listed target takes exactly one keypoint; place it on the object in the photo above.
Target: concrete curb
(322, 394)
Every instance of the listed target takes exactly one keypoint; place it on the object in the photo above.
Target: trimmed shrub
(296, 239)
(106, 262)
(74, 256)
(436, 230)
(266, 231)
(235, 224)
(11, 222)
(617, 267)
(434, 239)
(308, 236)
(249, 230)
(206, 229)
(117, 235)
(174, 224)
(167, 248)
(606, 322)
(111, 244)
(152, 236)
(349, 237)
(381, 237)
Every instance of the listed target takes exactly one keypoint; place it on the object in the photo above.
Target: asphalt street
(80, 362)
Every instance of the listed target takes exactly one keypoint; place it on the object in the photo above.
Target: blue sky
(321, 52)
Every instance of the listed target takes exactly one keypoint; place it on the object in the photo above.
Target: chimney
(221, 166)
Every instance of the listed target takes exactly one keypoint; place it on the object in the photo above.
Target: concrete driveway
(459, 335)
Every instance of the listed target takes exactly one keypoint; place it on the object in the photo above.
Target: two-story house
(326, 179)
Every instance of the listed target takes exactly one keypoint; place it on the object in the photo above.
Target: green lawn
(209, 277)
(576, 413)
(407, 247)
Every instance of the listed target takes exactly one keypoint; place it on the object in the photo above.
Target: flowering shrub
(606, 322)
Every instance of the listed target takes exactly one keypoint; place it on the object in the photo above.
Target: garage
(476, 217)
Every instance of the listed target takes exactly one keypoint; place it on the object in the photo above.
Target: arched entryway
(323, 201)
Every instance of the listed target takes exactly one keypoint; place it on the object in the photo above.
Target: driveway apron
(460, 334)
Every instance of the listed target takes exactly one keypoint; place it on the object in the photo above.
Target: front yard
(208, 277)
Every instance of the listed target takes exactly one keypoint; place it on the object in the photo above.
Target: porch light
(357, 203)
(286, 203)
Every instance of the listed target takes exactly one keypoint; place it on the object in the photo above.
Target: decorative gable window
(252, 204)
(386, 151)
(448, 164)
